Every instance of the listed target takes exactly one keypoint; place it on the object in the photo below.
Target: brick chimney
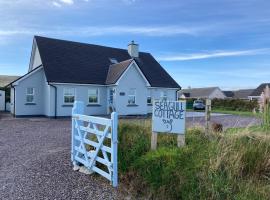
(133, 49)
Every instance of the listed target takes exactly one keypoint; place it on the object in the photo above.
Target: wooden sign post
(169, 117)
(207, 114)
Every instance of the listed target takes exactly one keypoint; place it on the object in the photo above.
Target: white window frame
(164, 95)
(97, 90)
(28, 94)
(149, 96)
(132, 95)
(64, 91)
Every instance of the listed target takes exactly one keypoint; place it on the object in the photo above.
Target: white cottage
(105, 78)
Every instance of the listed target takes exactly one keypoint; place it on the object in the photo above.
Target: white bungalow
(104, 78)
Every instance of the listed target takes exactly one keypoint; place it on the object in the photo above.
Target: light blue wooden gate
(88, 136)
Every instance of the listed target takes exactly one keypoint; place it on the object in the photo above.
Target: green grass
(216, 166)
(240, 113)
(233, 112)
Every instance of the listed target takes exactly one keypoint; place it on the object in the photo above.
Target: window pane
(93, 95)
(131, 100)
(149, 100)
(29, 98)
(93, 99)
(30, 90)
(69, 91)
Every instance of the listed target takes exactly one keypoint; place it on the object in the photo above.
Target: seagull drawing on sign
(168, 124)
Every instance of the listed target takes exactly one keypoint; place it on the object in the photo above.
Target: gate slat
(94, 144)
(92, 119)
(99, 159)
(94, 131)
(102, 173)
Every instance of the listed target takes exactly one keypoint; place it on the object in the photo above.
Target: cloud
(215, 54)
(88, 31)
(56, 4)
(69, 2)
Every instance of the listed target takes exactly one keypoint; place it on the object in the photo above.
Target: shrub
(234, 104)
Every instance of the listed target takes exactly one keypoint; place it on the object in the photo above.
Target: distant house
(258, 91)
(105, 78)
(238, 94)
(5, 80)
(202, 93)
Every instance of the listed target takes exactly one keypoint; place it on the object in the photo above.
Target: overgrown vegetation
(234, 104)
(232, 165)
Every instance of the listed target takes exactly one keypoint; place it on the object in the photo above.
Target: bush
(234, 104)
(234, 166)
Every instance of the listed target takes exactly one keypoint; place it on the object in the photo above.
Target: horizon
(200, 44)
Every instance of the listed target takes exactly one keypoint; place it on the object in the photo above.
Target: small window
(30, 95)
(163, 96)
(93, 96)
(111, 96)
(132, 96)
(149, 98)
(69, 95)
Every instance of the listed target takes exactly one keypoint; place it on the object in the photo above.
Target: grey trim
(30, 104)
(93, 105)
(67, 105)
(132, 105)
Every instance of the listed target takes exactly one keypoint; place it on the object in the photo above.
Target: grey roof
(5, 80)
(238, 94)
(258, 91)
(199, 92)
(74, 62)
(116, 70)
(229, 94)
(242, 94)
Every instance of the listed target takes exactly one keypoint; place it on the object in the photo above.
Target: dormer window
(113, 60)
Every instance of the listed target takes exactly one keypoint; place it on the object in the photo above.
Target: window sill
(93, 105)
(29, 104)
(132, 105)
(67, 105)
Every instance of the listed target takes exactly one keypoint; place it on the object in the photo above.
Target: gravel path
(35, 163)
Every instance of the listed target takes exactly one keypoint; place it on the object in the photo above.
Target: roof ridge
(84, 43)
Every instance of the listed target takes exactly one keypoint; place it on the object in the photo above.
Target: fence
(90, 137)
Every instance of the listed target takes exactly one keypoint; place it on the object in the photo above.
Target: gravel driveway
(35, 163)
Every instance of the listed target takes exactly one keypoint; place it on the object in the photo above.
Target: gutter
(55, 100)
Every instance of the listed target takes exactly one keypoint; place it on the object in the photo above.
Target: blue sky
(200, 43)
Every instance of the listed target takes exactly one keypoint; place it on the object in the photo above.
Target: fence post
(207, 114)
(154, 140)
(78, 108)
(114, 143)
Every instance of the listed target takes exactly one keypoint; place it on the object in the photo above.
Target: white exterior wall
(217, 94)
(37, 60)
(36, 80)
(156, 94)
(2, 100)
(131, 79)
(81, 94)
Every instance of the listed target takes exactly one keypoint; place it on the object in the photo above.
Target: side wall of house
(37, 81)
(81, 94)
(132, 79)
(156, 95)
(217, 93)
